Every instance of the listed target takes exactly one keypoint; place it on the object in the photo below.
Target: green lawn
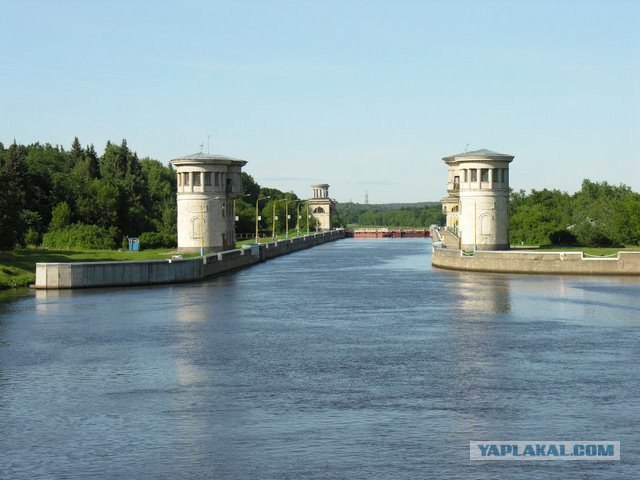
(595, 251)
(18, 267)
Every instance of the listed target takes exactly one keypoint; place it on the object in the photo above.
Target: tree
(11, 226)
(250, 187)
(13, 182)
(76, 155)
(60, 217)
(534, 218)
(121, 169)
(161, 185)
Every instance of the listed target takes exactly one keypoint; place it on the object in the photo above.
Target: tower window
(474, 175)
(484, 174)
(186, 179)
(494, 175)
(207, 178)
(196, 179)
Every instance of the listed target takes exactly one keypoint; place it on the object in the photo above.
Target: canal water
(351, 360)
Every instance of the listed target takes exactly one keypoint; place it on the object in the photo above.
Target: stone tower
(477, 205)
(321, 206)
(207, 185)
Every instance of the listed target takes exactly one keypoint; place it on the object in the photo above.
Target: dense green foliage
(158, 240)
(80, 235)
(75, 198)
(391, 215)
(598, 215)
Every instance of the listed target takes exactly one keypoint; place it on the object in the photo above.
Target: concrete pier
(152, 272)
(447, 256)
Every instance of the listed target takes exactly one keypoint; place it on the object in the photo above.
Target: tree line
(76, 198)
(599, 214)
(58, 198)
(420, 215)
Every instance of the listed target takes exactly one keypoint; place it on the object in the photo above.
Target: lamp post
(298, 217)
(287, 217)
(258, 217)
(234, 205)
(202, 207)
(235, 217)
(275, 218)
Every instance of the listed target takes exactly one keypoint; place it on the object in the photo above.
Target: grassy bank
(595, 251)
(18, 268)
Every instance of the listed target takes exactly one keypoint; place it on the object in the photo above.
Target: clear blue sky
(363, 95)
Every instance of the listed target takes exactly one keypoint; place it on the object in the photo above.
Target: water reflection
(480, 293)
(349, 360)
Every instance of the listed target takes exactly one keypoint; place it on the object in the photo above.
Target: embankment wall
(151, 272)
(569, 263)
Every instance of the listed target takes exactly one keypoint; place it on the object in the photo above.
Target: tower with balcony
(321, 206)
(477, 204)
(207, 185)
(451, 203)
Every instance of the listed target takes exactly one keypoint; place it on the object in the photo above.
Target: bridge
(387, 233)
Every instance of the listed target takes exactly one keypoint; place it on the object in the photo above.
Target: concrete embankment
(516, 261)
(110, 274)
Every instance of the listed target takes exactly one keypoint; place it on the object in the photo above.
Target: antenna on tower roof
(201, 147)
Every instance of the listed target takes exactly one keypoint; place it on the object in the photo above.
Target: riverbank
(447, 256)
(173, 270)
(18, 267)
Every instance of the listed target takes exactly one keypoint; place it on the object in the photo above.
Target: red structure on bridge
(387, 233)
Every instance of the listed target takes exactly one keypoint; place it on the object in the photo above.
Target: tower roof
(480, 154)
(208, 159)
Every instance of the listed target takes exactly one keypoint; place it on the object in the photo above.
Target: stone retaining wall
(517, 261)
(110, 274)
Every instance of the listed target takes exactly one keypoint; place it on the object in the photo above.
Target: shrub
(150, 240)
(562, 237)
(32, 237)
(592, 234)
(79, 235)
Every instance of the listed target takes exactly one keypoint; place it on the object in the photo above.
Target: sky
(367, 96)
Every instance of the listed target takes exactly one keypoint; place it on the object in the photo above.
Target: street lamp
(235, 217)
(202, 207)
(258, 217)
(273, 231)
(298, 217)
(286, 209)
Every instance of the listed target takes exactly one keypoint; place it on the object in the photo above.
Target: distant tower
(478, 199)
(366, 197)
(207, 185)
(321, 205)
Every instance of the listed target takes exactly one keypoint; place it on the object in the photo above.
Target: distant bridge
(387, 233)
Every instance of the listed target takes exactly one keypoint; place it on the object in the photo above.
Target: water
(350, 360)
